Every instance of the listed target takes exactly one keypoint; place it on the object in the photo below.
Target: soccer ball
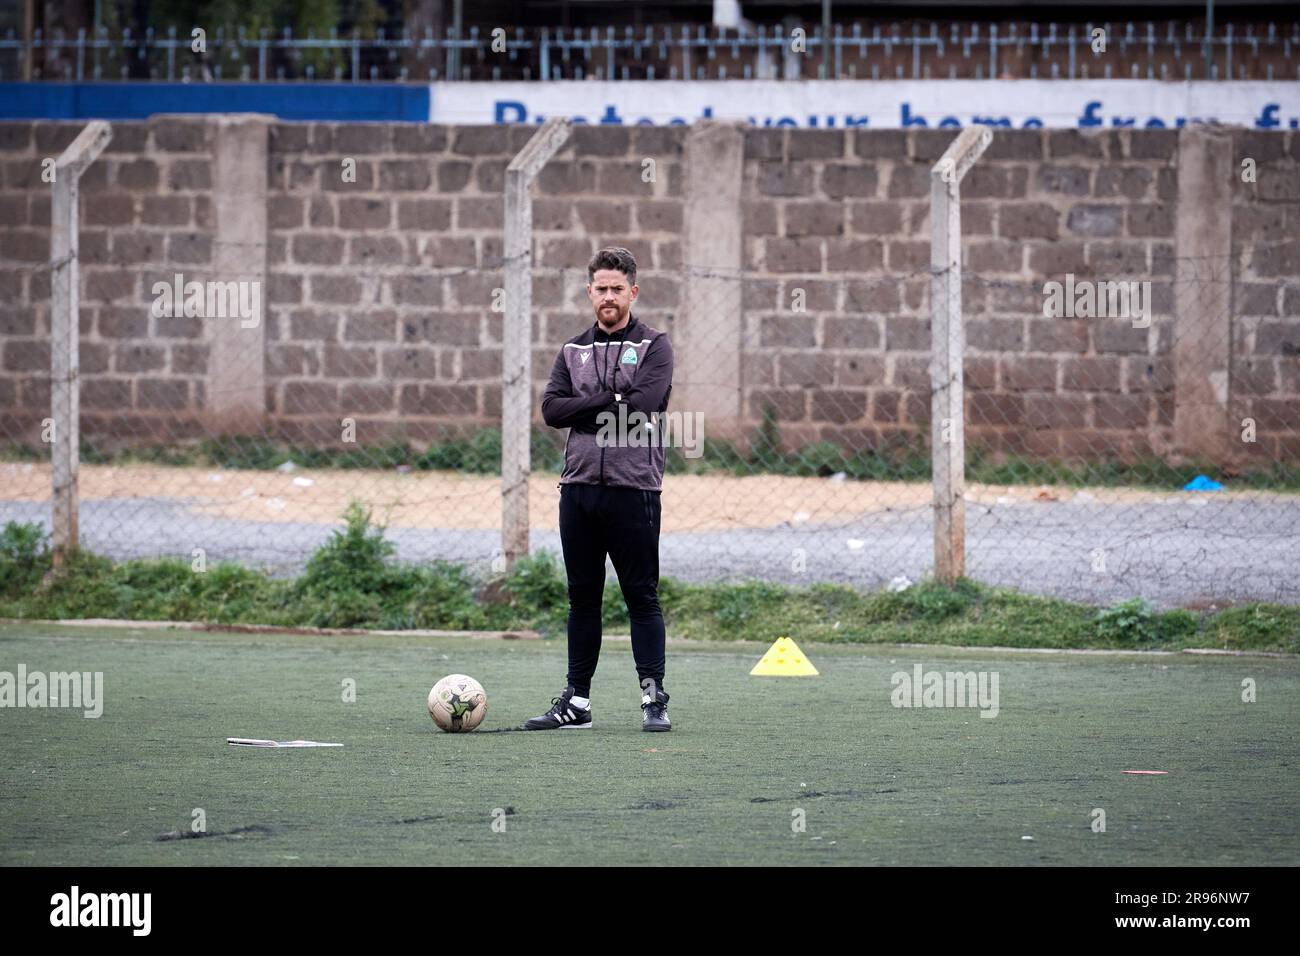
(457, 704)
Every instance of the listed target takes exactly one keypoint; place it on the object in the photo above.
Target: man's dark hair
(613, 257)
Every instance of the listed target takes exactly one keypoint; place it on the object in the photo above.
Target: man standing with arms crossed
(609, 492)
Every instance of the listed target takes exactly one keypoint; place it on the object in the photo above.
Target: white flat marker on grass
(254, 742)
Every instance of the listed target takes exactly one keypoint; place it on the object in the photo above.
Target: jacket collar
(625, 332)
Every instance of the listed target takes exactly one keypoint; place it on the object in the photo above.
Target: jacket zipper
(614, 380)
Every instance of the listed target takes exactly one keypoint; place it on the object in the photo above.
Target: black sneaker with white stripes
(654, 707)
(563, 715)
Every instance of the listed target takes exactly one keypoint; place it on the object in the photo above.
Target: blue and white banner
(889, 104)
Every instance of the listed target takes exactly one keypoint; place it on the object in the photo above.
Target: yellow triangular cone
(784, 659)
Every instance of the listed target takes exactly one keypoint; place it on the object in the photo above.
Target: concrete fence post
(948, 344)
(65, 362)
(517, 336)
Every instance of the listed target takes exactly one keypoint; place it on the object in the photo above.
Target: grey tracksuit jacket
(635, 362)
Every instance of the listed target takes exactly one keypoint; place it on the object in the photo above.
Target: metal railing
(1169, 50)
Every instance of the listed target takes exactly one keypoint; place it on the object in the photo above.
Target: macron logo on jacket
(635, 362)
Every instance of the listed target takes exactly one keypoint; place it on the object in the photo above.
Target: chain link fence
(793, 487)
(1098, 467)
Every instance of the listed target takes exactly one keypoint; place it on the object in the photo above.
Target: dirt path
(450, 500)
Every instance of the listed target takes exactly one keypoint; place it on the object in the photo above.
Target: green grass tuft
(353, 581)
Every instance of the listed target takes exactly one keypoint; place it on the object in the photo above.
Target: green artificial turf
(877, 784)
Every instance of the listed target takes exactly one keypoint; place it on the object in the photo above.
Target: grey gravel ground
(1180, 551)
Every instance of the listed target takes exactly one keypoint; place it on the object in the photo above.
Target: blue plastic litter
(1202, 483)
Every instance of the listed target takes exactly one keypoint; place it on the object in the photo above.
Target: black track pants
(596, 520)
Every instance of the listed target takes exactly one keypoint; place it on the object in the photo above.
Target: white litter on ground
(255, 742)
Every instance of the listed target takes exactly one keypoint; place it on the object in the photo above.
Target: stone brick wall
(845, 215)
(1265, 378)
(146, 211)
(383, 288)
(379, 292)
